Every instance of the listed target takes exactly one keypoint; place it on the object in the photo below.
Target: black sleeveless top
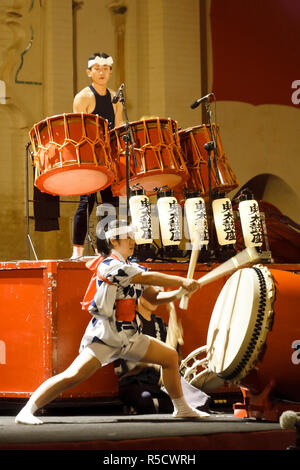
(104, 107)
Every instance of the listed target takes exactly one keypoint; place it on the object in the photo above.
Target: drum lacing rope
(170, 147)
(84, 139)
(156, 148)
(257, 328)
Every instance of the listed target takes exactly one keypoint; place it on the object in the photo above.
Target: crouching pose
(114, 330)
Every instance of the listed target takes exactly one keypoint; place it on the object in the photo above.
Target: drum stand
(214, 250)
(214, 148)
(29, 242)
(262, 405)
(209, 147)
(28, 239)
(212, 245)
(128, 139)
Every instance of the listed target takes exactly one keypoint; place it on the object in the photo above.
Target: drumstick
(174, 335)
(184, 301)
(242, 259)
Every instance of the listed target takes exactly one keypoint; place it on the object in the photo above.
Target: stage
(41, 335)
(144, 432)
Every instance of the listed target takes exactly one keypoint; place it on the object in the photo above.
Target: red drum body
(158, 153)
(72, 154)
(192, 143)
(254, 333)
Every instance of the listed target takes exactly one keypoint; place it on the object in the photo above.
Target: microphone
(116, 96)
(200, 100)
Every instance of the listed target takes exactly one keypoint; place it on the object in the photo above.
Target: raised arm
(119, 120)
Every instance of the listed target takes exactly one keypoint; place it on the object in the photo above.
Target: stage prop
(170, 223)
(75, 154)
(199, 168)
(72, 154)
(140, 211)
(43, 323)
(252, 341)
(158, 153)
(244, 258)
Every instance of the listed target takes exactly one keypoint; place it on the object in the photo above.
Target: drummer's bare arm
(155, 297)
(163, 280)
(158, 298)
(119, 115)
(84, 102)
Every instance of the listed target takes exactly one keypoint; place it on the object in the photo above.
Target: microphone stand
(128, 139)
(28, 238)
(208, 112)
(209, 146)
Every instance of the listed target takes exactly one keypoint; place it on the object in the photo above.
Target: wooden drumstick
(174, 335)
(184, 301)
(242, 259)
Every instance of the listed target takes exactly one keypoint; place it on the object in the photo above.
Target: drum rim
(61, 116)
(141, 121)
(74, 166)
(188, 130)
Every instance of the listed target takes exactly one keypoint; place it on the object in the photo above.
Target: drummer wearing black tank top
(95, 99)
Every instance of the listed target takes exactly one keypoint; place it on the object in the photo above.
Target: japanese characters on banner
(141, 218)
(195, 214)
(224, 221)
(172, 226)
(251, 223)
(169, 219)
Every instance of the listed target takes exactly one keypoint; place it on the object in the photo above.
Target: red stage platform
(42, 322)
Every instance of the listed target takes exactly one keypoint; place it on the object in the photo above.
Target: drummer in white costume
(113, 331)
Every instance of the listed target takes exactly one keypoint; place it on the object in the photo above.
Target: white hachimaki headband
(114, 232)
(100, 61)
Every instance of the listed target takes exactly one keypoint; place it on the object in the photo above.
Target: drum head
(240, 322)
(74, 180)
(150, 180)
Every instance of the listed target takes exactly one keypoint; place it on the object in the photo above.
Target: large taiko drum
(253, 331)
(192, 143)
(158, 154)
(72, 154)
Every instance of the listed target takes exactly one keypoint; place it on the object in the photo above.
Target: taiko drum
(192, 143)
(159, 161)
(72, 154)
(253, 337)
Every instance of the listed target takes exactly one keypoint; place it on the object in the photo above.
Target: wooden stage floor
(222, 431)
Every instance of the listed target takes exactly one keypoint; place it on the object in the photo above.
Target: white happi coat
(103, 325)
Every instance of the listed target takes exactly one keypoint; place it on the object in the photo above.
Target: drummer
(95, 99)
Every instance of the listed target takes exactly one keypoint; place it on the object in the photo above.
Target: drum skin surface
(253, 331)
(72, 154)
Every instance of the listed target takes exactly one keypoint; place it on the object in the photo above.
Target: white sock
(31, 407)
(183, 410)
(26, 415)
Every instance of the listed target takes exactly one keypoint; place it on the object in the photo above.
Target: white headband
(100, 61)
(114, 232)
